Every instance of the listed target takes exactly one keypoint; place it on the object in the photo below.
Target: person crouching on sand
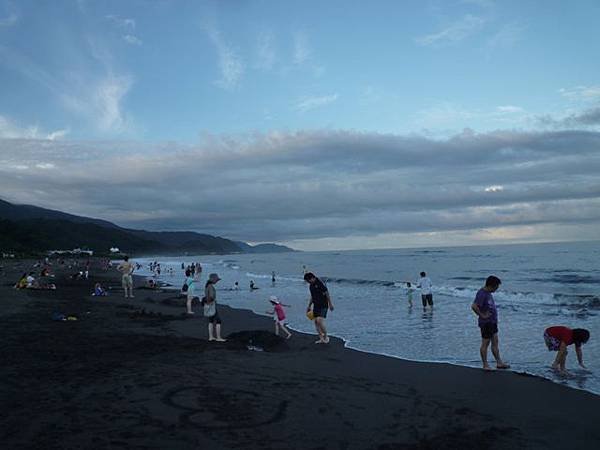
(279, 315)
(210, 309)
(99, 291)
(485, 308)
(558, 338)
(320, 303)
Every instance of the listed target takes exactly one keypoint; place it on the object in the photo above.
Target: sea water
(542, 285)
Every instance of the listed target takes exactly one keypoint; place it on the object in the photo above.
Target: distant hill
(31, 229)
(13, 212)
(264, 248)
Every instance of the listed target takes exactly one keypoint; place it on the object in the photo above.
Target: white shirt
(425, 285)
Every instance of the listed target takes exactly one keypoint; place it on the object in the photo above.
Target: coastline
(140, 373)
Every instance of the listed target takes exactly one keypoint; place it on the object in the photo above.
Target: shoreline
(139, 373)
(348, 345)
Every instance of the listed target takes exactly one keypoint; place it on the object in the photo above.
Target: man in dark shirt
(319, 303)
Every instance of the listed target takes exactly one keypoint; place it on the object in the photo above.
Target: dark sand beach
(138, 373)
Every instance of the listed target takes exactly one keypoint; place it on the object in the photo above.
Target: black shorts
(488, 330)
(427, 298)
(320, 312)
(215, 319)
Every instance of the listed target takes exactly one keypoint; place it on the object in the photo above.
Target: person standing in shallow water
(426, 292)
(485, 308)
(320, 303)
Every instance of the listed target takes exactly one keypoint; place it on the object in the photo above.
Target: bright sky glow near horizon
(317, 124)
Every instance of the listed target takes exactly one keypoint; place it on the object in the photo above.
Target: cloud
(302, 50)
(230, 63)
(131, 39)
(9, 16)
(454, 33)
(10, 130)
(9, 20)
(509, 35)
(265, 51)
(587, 118)
(481, 3)
(328, 184)
(94, 94)
(101, 101)
(121, 22)
(509, 109)
(310, 103)
(586, 93)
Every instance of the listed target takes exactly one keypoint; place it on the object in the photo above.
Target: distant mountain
(189, 241)
(31, 229)
(13, 212)
(264, 248)
(40, 235)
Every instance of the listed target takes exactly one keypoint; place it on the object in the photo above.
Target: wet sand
(139, 373)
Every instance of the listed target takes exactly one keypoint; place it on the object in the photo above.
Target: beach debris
(58, 316)
(256, 341)
(254, 348)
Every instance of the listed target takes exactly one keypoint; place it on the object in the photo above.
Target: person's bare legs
(556, 363)
(496, 352)
(276, 328)
(210, 332)
(483, 350)
(218, 333)
(286, 331)
(188, 305)
(318, 330)
(320, 323)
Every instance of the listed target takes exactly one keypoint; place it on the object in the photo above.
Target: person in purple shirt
(485, 308)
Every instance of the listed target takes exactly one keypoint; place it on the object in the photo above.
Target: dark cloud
(587, 118)
(314, 184)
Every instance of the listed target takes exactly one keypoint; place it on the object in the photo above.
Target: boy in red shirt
(558, 338)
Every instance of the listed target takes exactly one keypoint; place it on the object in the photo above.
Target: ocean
(542, 285)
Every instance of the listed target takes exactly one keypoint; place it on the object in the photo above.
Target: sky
(316, 124)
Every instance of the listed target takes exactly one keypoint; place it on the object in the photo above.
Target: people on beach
(426, 293)
(253, 286)
(210, 309)
(273, 277)
(22, 283)
(279, 316)
(190, 281)
(485, 308)
(127, 268)
(31, 281)
(558, 338)
(236, 286)
(319, 303)
(99, 291)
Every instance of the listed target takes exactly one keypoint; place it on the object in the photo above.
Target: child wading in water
(409, 293)
(279, 316)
